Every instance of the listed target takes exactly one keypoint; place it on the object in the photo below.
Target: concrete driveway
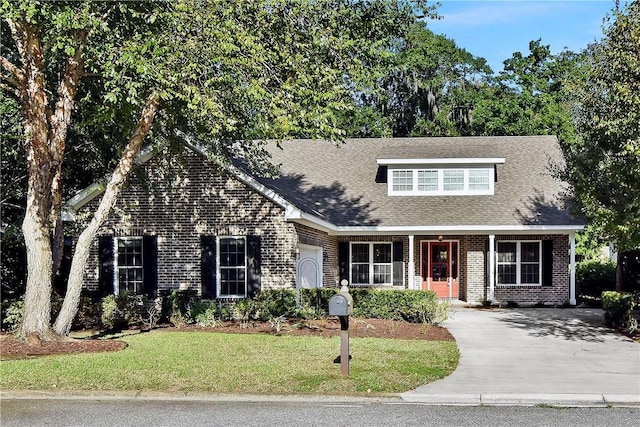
(531, 353)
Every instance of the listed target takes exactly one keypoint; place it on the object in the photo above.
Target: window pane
(402, 180)
(381, 252)
(507, 252)
(428, 180)
(530, 273)
(478, 179)
(360, 274)
(530, 251)
(360, 252)
(507, 274)
(453, 180)
(382, 273)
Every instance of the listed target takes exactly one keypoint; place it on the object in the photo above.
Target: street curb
(190, 396)
(530, 399)
(459, 399)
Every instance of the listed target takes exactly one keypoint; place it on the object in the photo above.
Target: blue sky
(494, 29)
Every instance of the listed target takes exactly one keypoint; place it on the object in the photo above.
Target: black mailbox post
(341, 305)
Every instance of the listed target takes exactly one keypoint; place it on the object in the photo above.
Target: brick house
(471, 218)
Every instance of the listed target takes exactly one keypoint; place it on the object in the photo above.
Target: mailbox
(341, 304)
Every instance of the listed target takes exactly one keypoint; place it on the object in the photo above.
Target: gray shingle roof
(338, 183)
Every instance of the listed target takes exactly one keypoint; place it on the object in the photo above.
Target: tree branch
(13, 69)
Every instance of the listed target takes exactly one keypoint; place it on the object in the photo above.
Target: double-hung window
(371, 264)
(519, 263)
(233, 267)
(129, 265)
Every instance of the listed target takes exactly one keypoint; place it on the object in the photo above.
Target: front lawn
(239, 363)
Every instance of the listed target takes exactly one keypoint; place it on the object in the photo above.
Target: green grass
(238, 363)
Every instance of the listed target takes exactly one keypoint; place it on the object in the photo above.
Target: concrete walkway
(536, 356)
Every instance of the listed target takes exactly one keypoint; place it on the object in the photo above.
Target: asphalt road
(88, 412)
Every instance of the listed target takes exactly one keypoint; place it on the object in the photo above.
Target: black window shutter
(547, 263)
(487, 267)
(254, 268)
(208, 267)
(150, 265)
(343, 260)
(105, 272)
(398, 271)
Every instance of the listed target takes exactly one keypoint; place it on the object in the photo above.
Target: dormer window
(440, 177)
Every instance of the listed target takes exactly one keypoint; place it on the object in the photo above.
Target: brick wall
(180, 202)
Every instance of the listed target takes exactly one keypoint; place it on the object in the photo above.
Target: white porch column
(492, 266)
(572, 269)
(411, 265)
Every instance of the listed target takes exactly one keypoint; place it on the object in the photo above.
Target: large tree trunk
(37, 299)
(45, 135)
(71, 302)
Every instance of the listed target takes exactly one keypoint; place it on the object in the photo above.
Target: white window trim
(116, 266)
(219, 268)
(519, 263)
(466, 191)
(371, 264)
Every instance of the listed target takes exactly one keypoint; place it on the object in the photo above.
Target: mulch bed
(13, 348)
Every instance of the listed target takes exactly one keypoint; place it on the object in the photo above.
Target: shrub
(274, 303)
(427, 310)
(129, 310)
(178, 305)
(205, 314)
(409, 305)
(88, 315)
(315, 301)
(13, 315)
(111, 316)
(618, 309)
(244, 311)
(594, 277)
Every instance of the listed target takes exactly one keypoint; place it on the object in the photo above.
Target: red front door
(440, 268)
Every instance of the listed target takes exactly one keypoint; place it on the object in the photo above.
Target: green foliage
(178, 305)
(111, 313)
(89, 315)
(412, 306)
(317, 298)
(275, 303)
(13, 316)
(420, 92)
(245, 311)
(594, 277)
(527, 96)
(129, 310)
(206, 314)
(603, 160)
(618, 309)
